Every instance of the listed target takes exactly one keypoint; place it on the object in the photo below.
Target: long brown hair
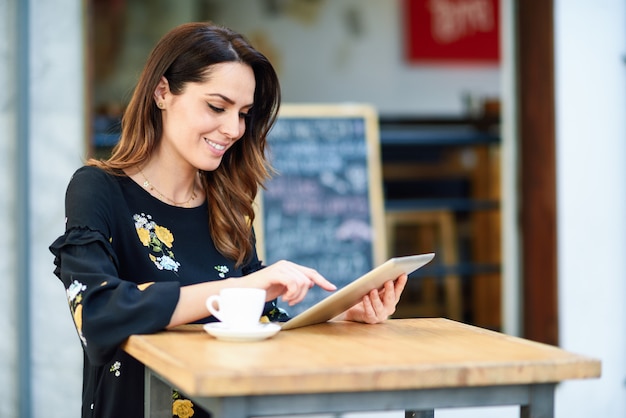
(183, 55)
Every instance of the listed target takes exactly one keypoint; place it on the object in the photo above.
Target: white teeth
(216, 145)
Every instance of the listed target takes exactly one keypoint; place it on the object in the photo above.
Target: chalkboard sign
(324, 207)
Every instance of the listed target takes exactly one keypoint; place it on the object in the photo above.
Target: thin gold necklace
(150, 186)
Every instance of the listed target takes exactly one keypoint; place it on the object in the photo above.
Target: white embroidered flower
(167, 263)
(115, 368)
(222, 271)
(140, 220)
(75, 288)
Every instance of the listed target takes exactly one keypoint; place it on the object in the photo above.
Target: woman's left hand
(378, 304)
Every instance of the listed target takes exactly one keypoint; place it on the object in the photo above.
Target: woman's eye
(215, 108)
(244, 115)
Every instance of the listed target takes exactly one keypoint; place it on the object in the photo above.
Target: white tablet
(352, 294)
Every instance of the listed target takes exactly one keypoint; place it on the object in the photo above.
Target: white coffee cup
(237, 307)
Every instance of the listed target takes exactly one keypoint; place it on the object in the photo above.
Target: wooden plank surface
(345, 356)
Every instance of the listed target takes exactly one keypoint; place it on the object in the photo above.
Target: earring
(161, 105)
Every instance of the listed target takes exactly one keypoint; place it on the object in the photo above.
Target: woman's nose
(232, 126)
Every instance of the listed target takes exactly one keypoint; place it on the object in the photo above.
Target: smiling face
(202, 123)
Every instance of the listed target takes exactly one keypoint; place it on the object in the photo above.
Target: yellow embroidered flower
(144, 236)
(144, 286)
(78, 317)
(164, 235)
(182, 408)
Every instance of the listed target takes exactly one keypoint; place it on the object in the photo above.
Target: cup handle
(209, 305)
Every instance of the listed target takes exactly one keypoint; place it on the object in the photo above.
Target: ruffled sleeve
(106, 309)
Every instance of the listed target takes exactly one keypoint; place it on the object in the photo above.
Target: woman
(166, 221)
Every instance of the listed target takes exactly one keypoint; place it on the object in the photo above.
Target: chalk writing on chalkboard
(318, 210)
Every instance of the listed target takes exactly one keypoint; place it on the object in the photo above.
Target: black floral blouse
(122, 260)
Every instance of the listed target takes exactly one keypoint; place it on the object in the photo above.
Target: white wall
(8, 284)
(590, 48)
(55, 141)
(57, 146)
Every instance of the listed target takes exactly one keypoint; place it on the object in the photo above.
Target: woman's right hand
(288, 280)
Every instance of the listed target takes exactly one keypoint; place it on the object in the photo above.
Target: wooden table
(402, 364)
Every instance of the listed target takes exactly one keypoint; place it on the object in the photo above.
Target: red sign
(452, 30)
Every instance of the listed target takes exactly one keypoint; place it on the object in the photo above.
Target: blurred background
(502, 138)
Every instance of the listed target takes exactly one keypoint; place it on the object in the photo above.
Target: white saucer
(256, 333)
